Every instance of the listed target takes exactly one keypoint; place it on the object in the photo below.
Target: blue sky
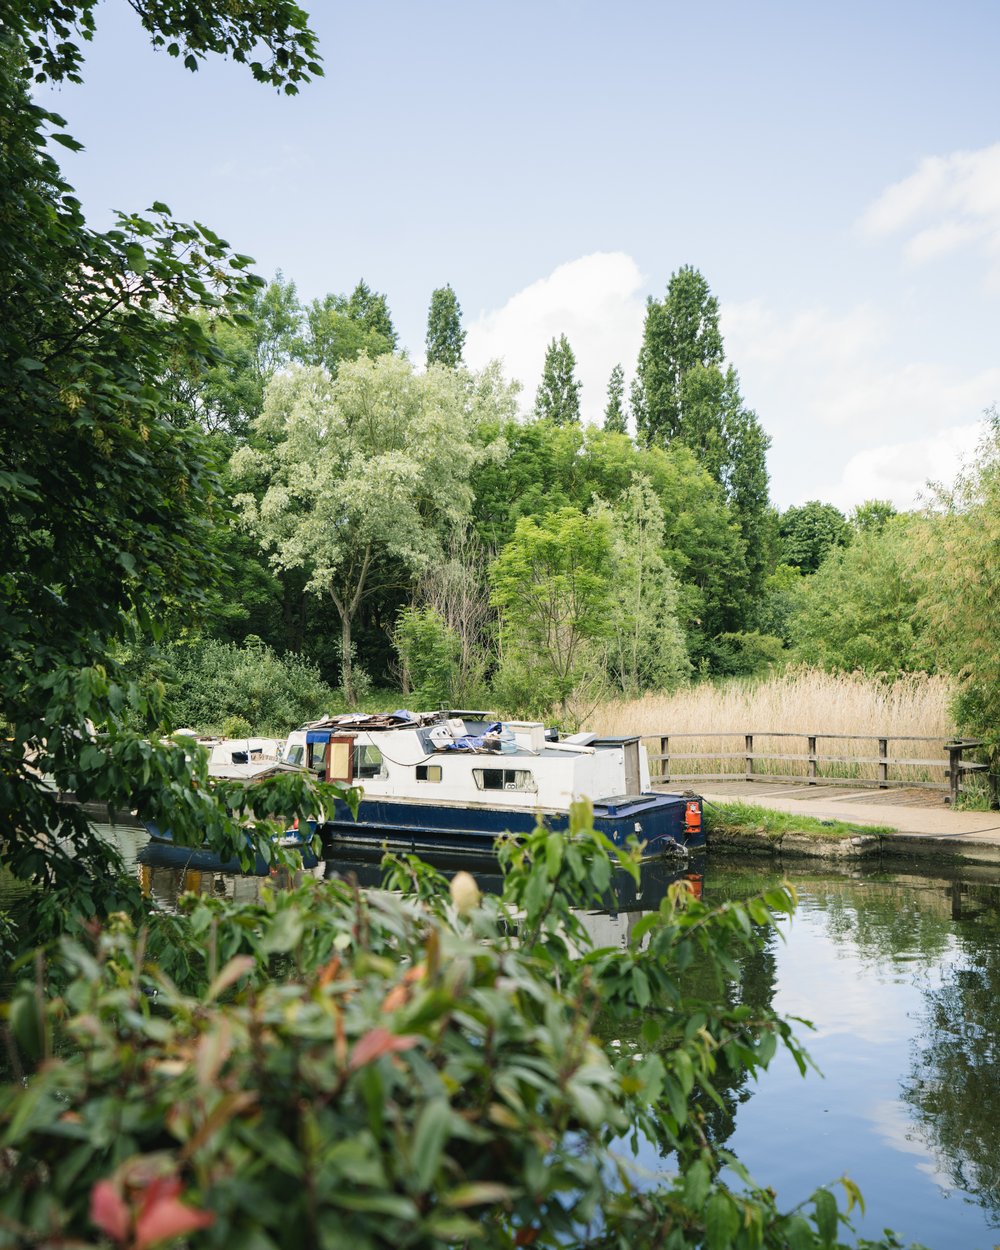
(834, 171)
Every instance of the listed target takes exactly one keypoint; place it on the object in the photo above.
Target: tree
(809, 531)
(645, 648)
(873, 514)
(960, 541)
(685, 395)
(256, 341)
(860, 610)
(370, 467)
(680, 332)
(343, 327)
(615, 417)
(445, 336)
(551, 584)
(106, 507)
(558, 397)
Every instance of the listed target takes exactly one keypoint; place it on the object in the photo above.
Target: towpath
(920, 820)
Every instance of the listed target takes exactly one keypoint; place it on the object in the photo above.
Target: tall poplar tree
(615, 421)
(681, 332)
(684, 393)
(445, 336)
(558, 396)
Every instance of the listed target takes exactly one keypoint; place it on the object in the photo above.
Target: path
(920, 819)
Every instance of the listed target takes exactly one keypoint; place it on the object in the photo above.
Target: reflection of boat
(163, 852)
(456, 780)
(624, 901)
(624, 894)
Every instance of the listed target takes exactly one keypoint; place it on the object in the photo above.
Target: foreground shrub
(424, 1071)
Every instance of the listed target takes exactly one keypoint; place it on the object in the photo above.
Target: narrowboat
(457, 780)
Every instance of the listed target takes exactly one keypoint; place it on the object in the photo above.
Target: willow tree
(349, 471)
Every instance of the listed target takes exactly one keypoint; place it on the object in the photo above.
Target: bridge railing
(854, 759)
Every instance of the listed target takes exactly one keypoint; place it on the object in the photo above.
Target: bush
(376, 1070)
(211, 685)
(429, 651)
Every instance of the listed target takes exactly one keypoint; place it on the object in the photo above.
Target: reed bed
(799, 701)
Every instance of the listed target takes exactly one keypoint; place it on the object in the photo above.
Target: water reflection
(898, 972)
(165, 880)
(952, 1089)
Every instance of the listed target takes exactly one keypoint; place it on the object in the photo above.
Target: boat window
(317, 757)
(428, 772)
(504, 779)
(367, 762)
(294, 755)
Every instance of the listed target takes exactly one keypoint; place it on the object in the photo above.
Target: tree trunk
(346, 677)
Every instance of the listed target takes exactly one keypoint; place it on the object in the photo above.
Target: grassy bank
(748, 820)
(799, 702)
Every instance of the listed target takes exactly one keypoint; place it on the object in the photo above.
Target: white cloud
(848, 422)
(595, 301)
(900, 472)
(947, 203)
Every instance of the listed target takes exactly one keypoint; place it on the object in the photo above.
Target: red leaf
(379, 1042)
(108, 1211)
(164, 1217)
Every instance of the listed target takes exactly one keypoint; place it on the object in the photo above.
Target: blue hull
(656, 819)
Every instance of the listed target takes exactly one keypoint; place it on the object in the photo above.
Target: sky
(833, 171)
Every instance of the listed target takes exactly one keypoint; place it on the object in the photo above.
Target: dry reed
(799, 702)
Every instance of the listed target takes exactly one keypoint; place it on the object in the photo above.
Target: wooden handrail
(954, 766)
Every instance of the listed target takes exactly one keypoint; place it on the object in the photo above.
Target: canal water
(898, 969)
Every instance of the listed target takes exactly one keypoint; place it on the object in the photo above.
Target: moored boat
(459, 780)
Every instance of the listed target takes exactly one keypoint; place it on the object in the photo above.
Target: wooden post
(954, 769)
(665, 762)
(812, 759)
(883, 763)
(749, 750)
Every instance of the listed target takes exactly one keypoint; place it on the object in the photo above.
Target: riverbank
(839, 823)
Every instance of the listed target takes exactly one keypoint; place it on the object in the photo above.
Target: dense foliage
(109, 505)
(329, 1067)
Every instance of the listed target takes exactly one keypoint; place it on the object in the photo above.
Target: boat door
(331, 756)
(633, 777)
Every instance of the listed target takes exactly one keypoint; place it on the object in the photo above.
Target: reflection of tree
(753, 987)
(884, 919)
(953, 1090)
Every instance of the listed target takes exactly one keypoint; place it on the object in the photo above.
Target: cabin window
(428, 772)
(294, 755)
(504, 779)
(367, 762)
(317, 757)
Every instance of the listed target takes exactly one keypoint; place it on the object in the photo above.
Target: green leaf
(433, 1127)
(478, 1193)
(826, 1215)
(135, 258)
(697, 1181)
(798, 1233)
(722, 1221)
(640, 987)
(378, 1204)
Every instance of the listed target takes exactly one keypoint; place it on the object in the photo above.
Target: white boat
(458, 780)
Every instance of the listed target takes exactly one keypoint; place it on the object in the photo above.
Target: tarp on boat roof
(400, 719)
